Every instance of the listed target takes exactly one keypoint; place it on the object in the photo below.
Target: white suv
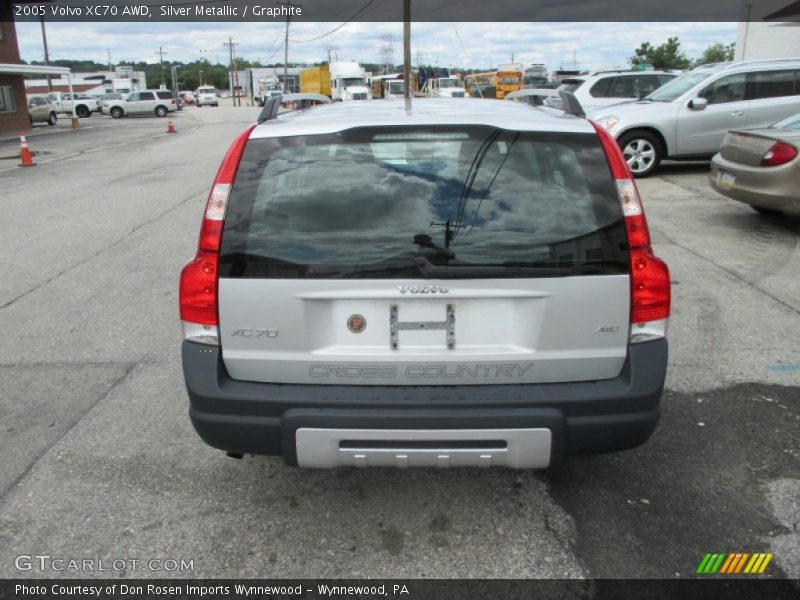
(148, 102)
(462, 284)
(610, 87)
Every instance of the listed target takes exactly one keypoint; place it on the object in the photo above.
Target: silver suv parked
(688, 117)
(467, 284)
(611, 87)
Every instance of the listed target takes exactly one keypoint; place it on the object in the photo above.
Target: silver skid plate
(515, 448)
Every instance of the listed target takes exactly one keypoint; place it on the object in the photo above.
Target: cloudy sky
(594, 45)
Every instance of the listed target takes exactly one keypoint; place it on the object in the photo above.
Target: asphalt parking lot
(100, 459)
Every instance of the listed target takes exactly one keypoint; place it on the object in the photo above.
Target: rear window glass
(164, 95)
(370, 202)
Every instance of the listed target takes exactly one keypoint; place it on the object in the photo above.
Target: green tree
(717, 52)
(666, 56)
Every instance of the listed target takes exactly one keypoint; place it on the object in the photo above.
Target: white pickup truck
(82, 106)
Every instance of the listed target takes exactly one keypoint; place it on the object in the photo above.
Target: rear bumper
(583, 417)
(774, 187)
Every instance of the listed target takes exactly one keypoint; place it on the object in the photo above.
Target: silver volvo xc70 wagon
(464, 284)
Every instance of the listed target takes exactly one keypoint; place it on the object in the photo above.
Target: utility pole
(333, 53)
(407, 53)
(234, 75)
(46, 55)
(288, 4)
(161, 54)
(109, 58)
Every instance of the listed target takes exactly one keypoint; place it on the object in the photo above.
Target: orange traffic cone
(171, 127)
(25, 153)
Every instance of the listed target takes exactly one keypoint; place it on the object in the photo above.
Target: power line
(332, 18)
(335, 29)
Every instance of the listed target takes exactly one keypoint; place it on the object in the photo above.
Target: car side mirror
(698, 104)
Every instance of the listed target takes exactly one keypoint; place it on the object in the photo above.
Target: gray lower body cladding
(584, 417)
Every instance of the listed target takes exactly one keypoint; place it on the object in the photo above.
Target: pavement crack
(141, 225)
(114, 384)
(731, 273)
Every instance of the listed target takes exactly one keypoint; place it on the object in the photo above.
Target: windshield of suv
(449, 83)
(672, 90)
(352, 204)
(206, 90)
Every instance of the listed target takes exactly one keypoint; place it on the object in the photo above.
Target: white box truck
(348, 82)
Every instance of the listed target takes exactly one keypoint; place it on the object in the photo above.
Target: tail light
(198, 283)
(173, 101)
(650, 282)
(779, 154)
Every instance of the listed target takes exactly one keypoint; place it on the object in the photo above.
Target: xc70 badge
(255, 333)
(423, 289)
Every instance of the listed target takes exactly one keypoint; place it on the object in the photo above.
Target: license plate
(726, 180)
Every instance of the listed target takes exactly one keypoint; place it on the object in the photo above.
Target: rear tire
(117, 112)
(161, 111)
(642, 151)
(53, 119)
(766, 211)
(83, 112)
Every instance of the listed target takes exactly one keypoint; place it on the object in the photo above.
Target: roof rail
(732, 64)
(271, 106)
(571, 104)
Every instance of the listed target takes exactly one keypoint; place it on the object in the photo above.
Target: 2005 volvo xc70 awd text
(462, 284)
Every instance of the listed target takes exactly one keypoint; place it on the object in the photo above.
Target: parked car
(611, 87)
(470, 285)
(187, 97)
(206, 96)
(148, 102)
(82, 106)
(688, 117)
(760, 167)
(41, 111)
(107, 98)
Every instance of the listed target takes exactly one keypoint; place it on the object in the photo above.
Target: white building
(767, 40)
(122, 79)
(769, 29)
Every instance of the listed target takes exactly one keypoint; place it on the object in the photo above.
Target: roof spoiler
(271, 106)
(532, 96)
(571, 104)
(528, 92)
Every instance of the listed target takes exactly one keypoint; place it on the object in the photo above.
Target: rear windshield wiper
(430, 270)
(476, 271)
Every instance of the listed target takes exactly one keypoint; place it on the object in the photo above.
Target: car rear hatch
(427, 255)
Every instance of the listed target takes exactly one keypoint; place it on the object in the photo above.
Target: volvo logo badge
(356, 323)
(423, 289)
